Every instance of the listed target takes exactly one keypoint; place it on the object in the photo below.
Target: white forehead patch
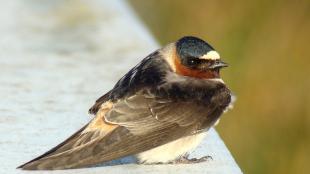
(211, 55)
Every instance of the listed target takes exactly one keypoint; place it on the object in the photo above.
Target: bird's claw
(185, 160)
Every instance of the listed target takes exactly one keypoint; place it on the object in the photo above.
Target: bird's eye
(192, 61)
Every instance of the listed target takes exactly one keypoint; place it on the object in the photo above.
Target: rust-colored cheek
(185, 71)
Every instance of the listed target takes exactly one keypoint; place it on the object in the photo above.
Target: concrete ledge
(56, 58)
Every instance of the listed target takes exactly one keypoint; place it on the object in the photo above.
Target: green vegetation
(267, 46)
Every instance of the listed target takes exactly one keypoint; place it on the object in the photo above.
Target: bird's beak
(218, 64)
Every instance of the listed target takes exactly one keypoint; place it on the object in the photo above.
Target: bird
(159, 111)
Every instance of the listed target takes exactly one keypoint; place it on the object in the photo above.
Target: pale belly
(171, 151)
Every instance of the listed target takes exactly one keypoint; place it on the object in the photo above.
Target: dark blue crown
(190, 46)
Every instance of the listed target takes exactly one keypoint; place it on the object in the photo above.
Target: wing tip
(33, 164)
(27, 166)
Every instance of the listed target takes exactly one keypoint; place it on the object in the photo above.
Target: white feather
(168, 53)
(211, 55)
(171, 151)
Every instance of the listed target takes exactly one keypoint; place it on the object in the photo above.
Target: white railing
(56, 58)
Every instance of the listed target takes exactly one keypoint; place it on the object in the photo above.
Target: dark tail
(62, 147)
(83, 149)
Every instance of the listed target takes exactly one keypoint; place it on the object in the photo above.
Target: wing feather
(150, 114)
(87, 136)
(130, 126)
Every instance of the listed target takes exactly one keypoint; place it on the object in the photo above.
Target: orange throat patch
(185, 71)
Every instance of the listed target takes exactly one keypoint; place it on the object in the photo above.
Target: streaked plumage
(164, 102)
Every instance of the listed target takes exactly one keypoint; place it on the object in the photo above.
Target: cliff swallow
(158, 111)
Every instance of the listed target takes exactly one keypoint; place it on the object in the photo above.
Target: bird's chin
(212, 73)
(216, 72)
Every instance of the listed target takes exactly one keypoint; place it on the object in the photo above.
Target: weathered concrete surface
(56, 58)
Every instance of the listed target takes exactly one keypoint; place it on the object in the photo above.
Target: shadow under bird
(158, 111)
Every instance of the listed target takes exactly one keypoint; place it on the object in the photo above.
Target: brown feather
(95, 108)
(94, 129)
(131, 126)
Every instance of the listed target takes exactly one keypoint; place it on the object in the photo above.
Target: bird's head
(196, 58)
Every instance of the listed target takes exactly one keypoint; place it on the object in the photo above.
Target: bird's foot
(185, 160)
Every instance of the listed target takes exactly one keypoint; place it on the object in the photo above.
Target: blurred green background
(267, 44)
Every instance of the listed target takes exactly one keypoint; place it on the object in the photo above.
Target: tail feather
(81, 154)
(62, 147)
(106, 147)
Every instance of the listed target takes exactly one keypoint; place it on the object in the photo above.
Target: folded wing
(133, 125)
